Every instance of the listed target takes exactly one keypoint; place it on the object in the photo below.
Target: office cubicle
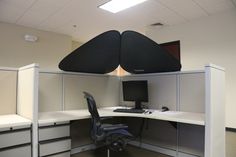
(192, 91)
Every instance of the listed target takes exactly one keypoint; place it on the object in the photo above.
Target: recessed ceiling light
(115, 6)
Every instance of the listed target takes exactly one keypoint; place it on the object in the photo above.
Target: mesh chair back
(96, 132)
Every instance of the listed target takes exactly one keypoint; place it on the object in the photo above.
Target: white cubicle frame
(27, 99)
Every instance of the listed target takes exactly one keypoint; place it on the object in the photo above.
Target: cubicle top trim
(8, 69)
(215, 66)
(29, 66)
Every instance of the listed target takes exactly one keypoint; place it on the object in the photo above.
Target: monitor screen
(135, 91)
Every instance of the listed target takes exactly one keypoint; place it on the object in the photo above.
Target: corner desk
(54, 127)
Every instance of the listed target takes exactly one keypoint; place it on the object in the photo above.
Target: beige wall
(47, 51)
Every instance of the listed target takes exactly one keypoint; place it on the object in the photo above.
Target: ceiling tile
(186, 8)
(40, 11)
(215, 6)
(11, 10)
(165, 14)
(23, 4)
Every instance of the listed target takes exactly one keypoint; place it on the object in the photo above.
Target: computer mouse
(164, 108)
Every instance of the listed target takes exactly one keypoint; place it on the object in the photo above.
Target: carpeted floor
(129, 152)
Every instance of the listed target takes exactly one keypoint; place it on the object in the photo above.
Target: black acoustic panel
(99, 55)
(139, 54)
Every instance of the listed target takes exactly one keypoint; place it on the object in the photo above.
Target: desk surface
(13, 121)
(49, 118)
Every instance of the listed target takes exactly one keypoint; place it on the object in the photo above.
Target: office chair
(113, 136)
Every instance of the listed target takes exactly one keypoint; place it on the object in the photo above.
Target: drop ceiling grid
(60, 15)
(74, 14)
(40, 11)
(139, 16)
(72, 11)
(134, 18)
(186, 8)
(166, 15)
(214, 6)
(12, 10)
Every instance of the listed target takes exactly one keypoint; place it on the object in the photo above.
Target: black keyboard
(129, 110)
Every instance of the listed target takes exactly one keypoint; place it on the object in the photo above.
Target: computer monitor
(136, 91)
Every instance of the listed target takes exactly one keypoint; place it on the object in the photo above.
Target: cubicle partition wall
(179, 91)
(8, 86)
(191, 99)
(60, 91)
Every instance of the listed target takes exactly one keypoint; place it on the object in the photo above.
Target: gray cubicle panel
(160, 134)
(180, 91)
(8, 86)
(50, 92)
(191, 139)
(191, 99)
(64, 91)
(104, 88)
(162, 90)
(192, 92)
(80, 133)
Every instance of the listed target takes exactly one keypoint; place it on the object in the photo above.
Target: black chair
(113, 136)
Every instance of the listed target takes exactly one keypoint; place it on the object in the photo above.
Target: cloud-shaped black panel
(139, 54)
(99, 55)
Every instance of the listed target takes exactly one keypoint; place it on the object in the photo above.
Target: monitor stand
(138, 105)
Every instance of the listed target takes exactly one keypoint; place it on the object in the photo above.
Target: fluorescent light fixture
(115, 6)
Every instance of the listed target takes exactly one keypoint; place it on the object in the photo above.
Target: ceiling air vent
(157, 24)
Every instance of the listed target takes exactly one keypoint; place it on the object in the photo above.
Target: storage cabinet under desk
(54, 140)
(15, 142)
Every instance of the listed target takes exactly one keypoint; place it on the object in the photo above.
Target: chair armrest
(115, 127)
